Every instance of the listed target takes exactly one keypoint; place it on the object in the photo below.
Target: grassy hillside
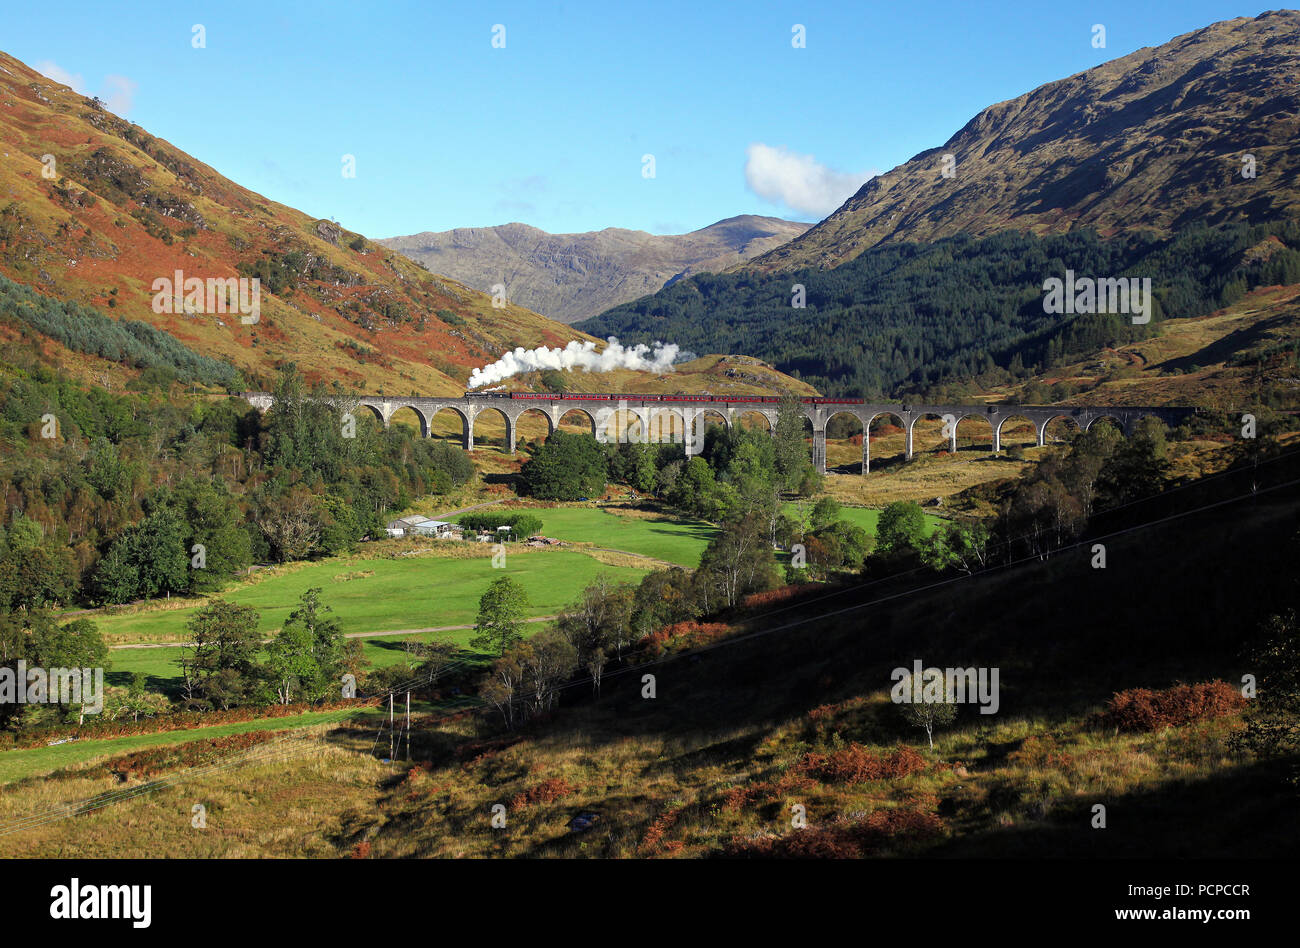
(124, 208)
(1149, 141)
(798, 713)
(1239, 356)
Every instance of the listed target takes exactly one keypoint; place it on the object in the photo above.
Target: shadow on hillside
(1225, 348)
(1249, 811)
(695, 530)
(1172, 605)
(1177, 601)
(397, 644)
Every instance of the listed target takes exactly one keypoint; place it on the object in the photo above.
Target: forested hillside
(904, 318)
(109, 492)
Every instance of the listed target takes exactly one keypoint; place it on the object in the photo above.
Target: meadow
(659, 536)
(162, 670)
(434, 590)
(865, 517)
(382, 594)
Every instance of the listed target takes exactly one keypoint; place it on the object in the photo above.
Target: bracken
(1145, 709)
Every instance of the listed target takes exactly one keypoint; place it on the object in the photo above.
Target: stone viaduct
(680, 418)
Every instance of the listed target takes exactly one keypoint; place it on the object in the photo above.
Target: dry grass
(655, 795)
(269, 809)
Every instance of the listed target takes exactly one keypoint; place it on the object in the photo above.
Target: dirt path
(639, 556)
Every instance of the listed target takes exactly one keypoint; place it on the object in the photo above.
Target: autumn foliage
(766, 791)
(653, 843)
(689, 634)
(824, 715)
(547, 791)
(1145, 709)
(776, 597)
(842, 840)
(145, 764)
(855, 764)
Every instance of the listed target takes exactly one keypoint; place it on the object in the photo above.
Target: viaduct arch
(657, 412)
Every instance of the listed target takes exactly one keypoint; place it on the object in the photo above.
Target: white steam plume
(578, 355)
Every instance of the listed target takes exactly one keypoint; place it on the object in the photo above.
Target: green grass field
(411, 593)
(428, 591)
(668, 538)
(161, 665)
(864, 517)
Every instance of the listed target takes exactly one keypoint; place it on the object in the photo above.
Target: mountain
(922, 284)
(1154, 140)
(94, 209)
(905, 319)
(574, 276)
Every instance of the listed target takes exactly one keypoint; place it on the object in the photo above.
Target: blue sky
(551, 130)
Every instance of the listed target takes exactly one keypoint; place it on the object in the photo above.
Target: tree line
(114, 496)
(127, 342)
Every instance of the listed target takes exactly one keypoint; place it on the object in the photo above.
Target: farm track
(640, 556)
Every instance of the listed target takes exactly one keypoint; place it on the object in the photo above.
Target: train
(631, 397)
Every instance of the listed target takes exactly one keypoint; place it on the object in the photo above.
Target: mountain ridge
(573, 276)
(1155, 139)
(94, 210)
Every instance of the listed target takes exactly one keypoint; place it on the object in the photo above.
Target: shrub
(855, 764)
(523, 525)
(1144, 709)
(1041, 751)
(767, 791)
(683, 635)
(842, 840)
(545, 792)
(174, 721)
(145, 764)
(652, 844)
(773, 597)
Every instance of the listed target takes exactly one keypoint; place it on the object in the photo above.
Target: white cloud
(799, 182)
(51, 69)
(118, 92)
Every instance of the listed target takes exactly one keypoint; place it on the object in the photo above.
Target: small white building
(418, 525)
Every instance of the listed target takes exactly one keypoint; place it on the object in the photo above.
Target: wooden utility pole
(390, 728)
(408, 725)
